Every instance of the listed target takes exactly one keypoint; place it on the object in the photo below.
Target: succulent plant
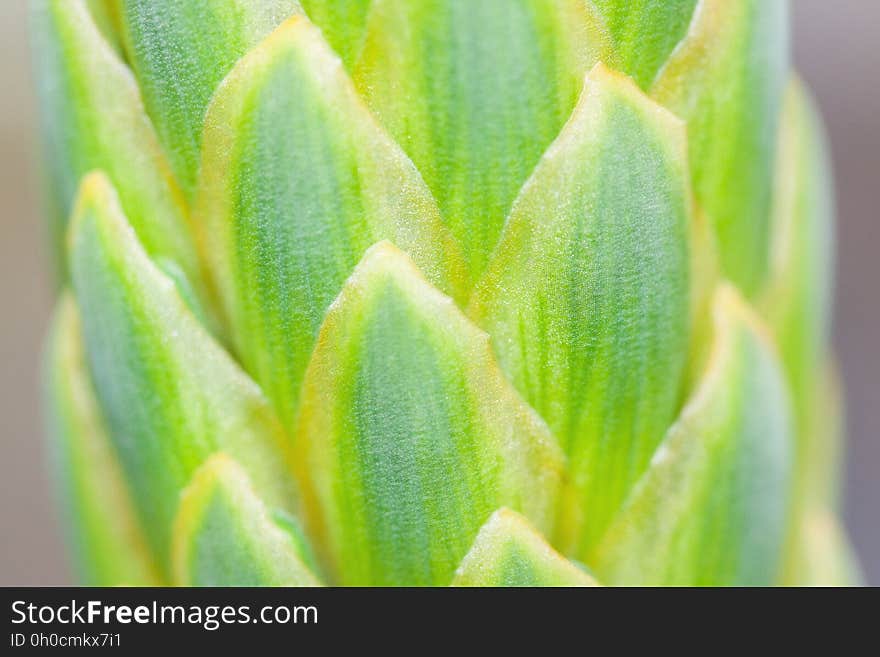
(431, 292)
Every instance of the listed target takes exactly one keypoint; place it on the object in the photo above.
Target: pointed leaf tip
(298, 181)
(726, 79)
(180, 52)
(474, 92)
(170, 394)
(409, 436)
(587, 295)
(644, 34)
(225, 536)
(712, 507)
(508, 551)
(92, 117)
(343, 23)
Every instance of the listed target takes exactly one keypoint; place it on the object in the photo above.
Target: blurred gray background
(837, 52)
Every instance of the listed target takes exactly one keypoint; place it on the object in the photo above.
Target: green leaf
(705, 277)
(181, 51)
(820, 441)
(298, 181)
(409, 435)
(816, 484)
(797, 303)
(587, 296)
(824, 557)
(726, 80)
(474, 92)
(225, 536)
(508, 551)
(644, 33)
(106, 16)
(170, 394)
(99, 517)
(711, 509)
(343, 23)
(92, 117)
(797, 299)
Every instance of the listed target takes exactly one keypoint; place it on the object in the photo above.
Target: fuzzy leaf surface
(343, 23)
(180, 51)
(644, 33)
(225, 536)
(508, 551)
(587, 296)
(298, 181)
(171, 395)
(100, 519)
(409, 435)
(474, 91)
(711, 509)
(726, 80)
(92, 117)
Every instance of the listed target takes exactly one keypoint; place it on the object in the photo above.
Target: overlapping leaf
(92, 117)
(726, 80)
(587, 297)
(712, 507)
(705, 276)
(101, 522)
(797, 298)
(298, 180)
(181, 51)
(587, 262)
(818, 552)
(225, 536)
(106, 15)
(343, 23)
(824, 556)
(474, 92)
(409, 435)
(644, 33)
(170, 394)
(508, 551)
